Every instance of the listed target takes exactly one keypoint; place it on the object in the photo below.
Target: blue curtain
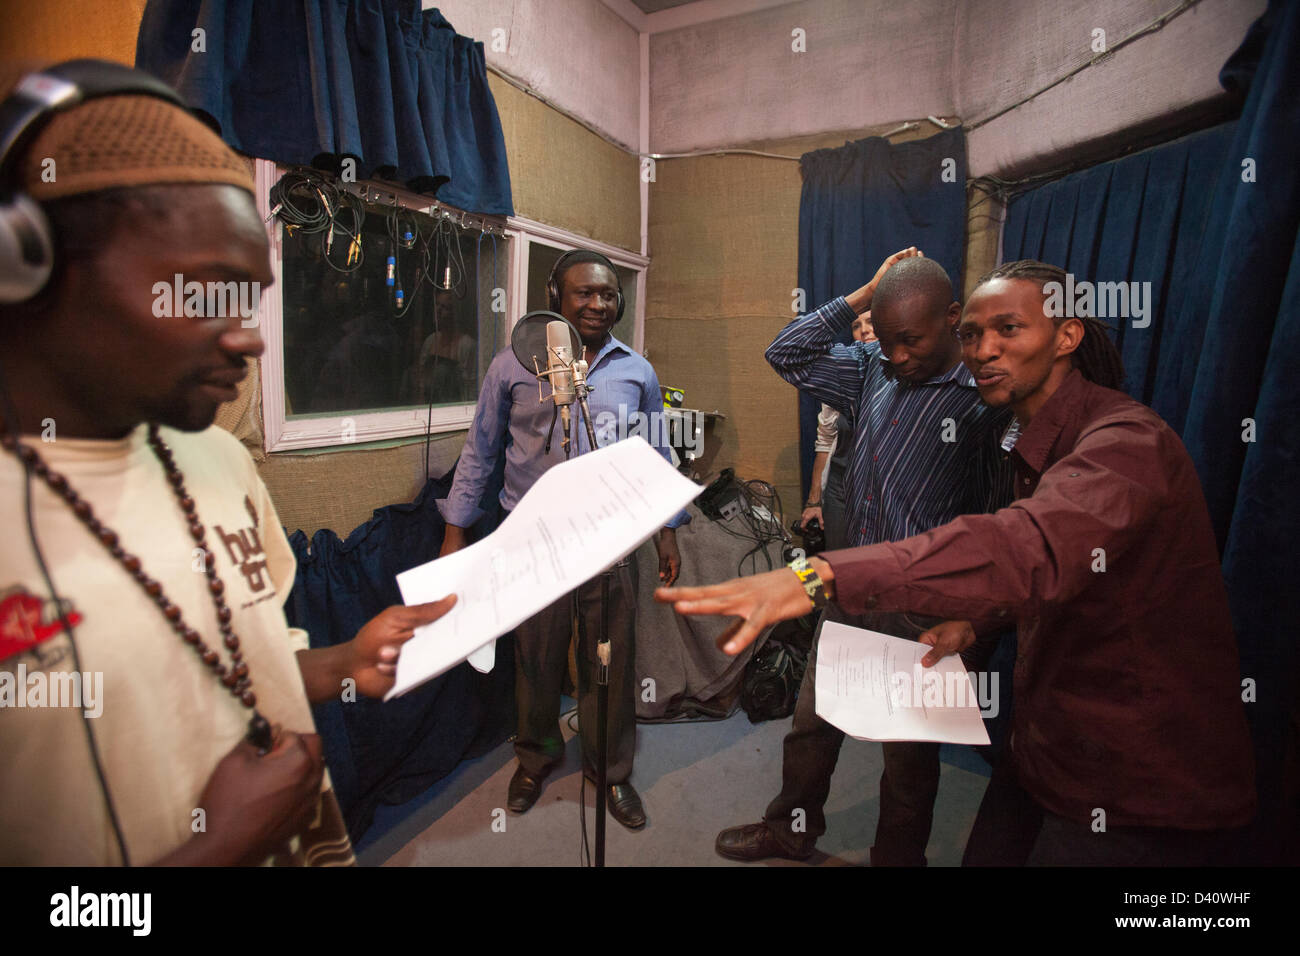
(388, 753)
(311, 82)
(1212, 221)
(860, 203)
(864, 201)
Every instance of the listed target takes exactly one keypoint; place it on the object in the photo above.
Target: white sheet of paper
(872, 686)
(485, 658)
(578, 519)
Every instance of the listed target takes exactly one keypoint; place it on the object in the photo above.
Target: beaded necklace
(235, 677)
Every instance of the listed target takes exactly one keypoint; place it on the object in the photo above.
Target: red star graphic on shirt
(26, 620)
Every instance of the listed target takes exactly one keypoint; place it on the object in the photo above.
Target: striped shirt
(922, 454)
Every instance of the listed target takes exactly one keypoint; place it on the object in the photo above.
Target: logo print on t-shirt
(245, 550)
(26, 620)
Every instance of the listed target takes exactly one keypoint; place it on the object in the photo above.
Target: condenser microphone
(559, 362)
(544, 343)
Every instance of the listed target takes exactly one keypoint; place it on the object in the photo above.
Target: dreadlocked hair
(1096, 358)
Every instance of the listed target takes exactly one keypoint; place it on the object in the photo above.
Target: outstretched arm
(980, 567)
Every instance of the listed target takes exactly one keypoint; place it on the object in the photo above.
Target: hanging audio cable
(355, 210)
(450, 276)
(307, 202)
(402, 235)
(299, 199)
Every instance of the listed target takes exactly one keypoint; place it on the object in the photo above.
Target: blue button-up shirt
(625, 400)
(922, 453)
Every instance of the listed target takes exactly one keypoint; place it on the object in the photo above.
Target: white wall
(738, 80)
(1010, 48)
(578, 54)
(870, 62)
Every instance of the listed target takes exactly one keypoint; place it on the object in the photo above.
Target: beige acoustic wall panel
(565, 175)
(724, 246)
(339, 490)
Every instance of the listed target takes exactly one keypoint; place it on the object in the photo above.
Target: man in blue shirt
(924, 451)
(510, 421)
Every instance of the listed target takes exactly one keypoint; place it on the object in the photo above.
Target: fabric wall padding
(565, 175)
(57, 30)
(338, 490)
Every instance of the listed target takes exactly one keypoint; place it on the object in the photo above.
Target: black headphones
(553, 285)
(26, 245)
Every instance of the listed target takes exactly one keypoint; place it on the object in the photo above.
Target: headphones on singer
(553, 285)
(26, 243)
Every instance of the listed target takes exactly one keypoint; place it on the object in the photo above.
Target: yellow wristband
(812, 583)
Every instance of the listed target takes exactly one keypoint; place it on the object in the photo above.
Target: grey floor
(695, 779)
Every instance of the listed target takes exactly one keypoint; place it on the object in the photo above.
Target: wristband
(812, 583)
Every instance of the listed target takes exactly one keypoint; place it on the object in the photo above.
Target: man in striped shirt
(924, 451)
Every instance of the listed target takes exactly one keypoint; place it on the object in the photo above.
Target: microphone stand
(603, 649)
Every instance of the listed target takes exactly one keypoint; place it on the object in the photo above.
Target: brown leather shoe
(524, 790)
(753, 841)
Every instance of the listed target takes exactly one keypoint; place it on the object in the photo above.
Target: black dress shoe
(754, 841)
(625, 806)
(524, 790)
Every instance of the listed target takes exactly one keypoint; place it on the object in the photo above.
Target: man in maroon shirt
(1129, 742)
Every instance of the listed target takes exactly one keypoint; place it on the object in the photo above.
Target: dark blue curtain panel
(314, 82)
(864, 201)
(388, 753)
(1212, 222)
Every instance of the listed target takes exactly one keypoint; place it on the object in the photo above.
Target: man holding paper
(143, 545)
(509, 421)
(1129, 743)
(924, 450)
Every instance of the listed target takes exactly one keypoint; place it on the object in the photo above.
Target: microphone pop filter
(528, 340)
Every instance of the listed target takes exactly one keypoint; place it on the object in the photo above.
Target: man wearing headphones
(510, 422)
(154, 704)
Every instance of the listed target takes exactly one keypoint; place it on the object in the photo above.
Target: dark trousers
(907, 787)
(834, 507)
(542, 658)
(1013, 829)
